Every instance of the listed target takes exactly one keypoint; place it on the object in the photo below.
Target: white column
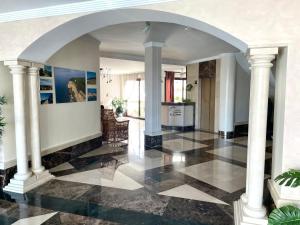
(23, 180)
(153, 92)
(34, 120)
(253, 211)
(227, 94)
(18, 72)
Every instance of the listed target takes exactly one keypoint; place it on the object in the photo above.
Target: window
(179, 89)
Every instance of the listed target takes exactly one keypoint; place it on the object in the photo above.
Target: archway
(51, 42)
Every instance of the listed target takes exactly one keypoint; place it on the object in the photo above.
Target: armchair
(112, 129)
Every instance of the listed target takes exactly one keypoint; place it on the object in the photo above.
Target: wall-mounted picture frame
(46, 71)
(46, 98)
(46, 84)
(70, 85)
(92, 94)
(91, 78)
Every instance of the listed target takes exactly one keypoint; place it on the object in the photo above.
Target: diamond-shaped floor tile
(189, 192)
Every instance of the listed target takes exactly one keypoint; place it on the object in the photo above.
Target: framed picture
(46, 98)
(46, 71)
(92, 94)
(91, 78)
(46, 84)
(69, 85)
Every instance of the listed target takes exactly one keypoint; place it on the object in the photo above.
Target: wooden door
(207, 104)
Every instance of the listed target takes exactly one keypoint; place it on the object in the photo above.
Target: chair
(112, 129)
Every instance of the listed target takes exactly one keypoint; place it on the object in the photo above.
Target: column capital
(17, 62)
(154, 44)
(37, 65)
(33, 71)
(262, 57)
(263, 51)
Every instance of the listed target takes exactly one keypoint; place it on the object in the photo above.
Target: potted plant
(118, 105)
(188, 89)
(3, 101)
(289, 214)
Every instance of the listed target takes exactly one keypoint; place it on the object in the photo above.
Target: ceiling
(182, 44)
(13, 10)
(119, 66)
(16, 5)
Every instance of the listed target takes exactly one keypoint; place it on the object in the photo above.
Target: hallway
(193, 179)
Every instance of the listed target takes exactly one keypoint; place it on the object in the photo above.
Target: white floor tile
(99, 177)
(234, 152)
(198, 135)
(188, 192)
(62, 167)
(244, 141)
(181, 145)
(222, 175)
(36, 220)
(150, 159)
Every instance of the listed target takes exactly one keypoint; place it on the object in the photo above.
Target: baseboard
(178, 128)
(280, 201)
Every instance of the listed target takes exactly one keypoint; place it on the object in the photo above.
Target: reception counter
(178, 116)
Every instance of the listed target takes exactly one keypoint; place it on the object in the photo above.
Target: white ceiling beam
(140, 58)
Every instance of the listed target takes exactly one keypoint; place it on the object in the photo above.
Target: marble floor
(193, 179)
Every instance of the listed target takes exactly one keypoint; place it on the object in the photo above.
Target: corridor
(193, 179)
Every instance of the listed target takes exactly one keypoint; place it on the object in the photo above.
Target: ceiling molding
(154, 44)
(140, 58)
(71, 8)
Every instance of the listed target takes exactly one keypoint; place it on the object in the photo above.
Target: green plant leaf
(290, 178)
(3, 100)
(286, 215)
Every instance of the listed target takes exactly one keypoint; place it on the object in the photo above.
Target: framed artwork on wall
(92, 94)
(46, 84)
(46, 71)
(91, 78)
(46, 98)
(70, 85)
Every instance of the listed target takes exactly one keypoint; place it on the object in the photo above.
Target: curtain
(169, 86)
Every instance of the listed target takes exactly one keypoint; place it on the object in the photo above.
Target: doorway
(207, 76)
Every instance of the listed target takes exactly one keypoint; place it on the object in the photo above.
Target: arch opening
(44, 47)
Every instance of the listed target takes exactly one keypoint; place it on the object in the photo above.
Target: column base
(226, 135)
(39, 170)
(23, 186)
(280, 200)
(153, 141)
(241, 219)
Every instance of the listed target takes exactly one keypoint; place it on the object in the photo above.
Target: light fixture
(106, 75)
(147, 27)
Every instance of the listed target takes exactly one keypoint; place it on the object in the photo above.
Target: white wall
(7, 148)
(242, 96)
(112, 90)
(64, 123)
(217, 96)
(195, 94)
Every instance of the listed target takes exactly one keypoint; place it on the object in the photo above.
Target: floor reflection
(193, 179)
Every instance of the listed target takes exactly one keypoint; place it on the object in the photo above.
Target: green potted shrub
(289, 214)
(188, 89)
(118, 105)
(3, 101)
